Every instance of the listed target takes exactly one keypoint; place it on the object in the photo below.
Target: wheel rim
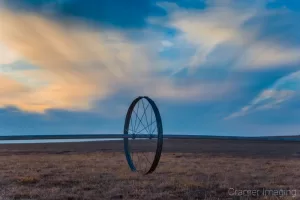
(143, 123)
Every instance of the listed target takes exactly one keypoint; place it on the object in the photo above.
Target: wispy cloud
(266, 54)
(238, 27)
(282, 90)
(7, 56)
(78, 65)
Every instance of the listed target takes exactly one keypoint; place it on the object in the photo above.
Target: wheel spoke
(140, 127)
(144, 128)
(134, 132)
(140, 122)
(136, 118)
(138, 163)
(154, 130)
(145, 110)
(142, 117)
(147, 159)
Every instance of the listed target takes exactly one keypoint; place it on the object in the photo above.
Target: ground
(189, 169)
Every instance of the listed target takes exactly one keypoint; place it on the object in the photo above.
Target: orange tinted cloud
(79, 65)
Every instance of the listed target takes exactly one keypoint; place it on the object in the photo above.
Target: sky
(213, 67)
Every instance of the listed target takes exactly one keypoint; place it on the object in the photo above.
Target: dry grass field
(189, 169)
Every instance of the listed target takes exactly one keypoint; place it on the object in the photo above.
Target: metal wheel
(143, 126)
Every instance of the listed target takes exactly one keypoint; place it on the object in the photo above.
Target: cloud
(237, 27)
(281, 91)
(78, 65)
(65, 56)
(10, 87)
(204, 30)
(7, 56)
(267, 55)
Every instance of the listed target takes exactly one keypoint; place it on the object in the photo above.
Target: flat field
(189, 169)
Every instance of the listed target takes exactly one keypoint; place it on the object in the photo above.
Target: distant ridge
(291, 138)
(284, 136)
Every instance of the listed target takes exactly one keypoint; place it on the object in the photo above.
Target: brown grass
(100, 175)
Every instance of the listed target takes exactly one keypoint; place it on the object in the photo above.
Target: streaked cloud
(78, 65)
(10, 87)
(268, 55)
(7, 56)
(281, 91)
(237, 27)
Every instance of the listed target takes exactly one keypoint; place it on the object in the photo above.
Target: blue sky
(213, 67)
